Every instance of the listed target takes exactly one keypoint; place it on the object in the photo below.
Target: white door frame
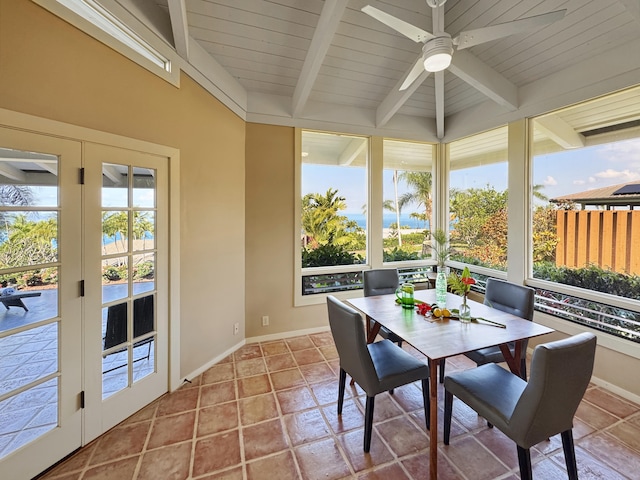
(45, 126)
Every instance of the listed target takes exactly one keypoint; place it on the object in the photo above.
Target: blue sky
(559, 173)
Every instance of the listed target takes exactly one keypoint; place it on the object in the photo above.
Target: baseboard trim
(282, 335)
(212, 362)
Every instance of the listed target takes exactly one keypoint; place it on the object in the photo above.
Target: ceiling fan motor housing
(442, 45)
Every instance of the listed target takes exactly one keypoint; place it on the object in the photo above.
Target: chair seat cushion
(490, 390)
(394, 366)
(488, 355)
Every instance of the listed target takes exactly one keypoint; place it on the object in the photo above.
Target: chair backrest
(380, 282)
(560, 374)
(509, 297)
(347, 328)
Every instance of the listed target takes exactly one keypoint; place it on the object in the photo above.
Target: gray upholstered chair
(511, 298)
(376, 367)
(529, 413)
(381, 282)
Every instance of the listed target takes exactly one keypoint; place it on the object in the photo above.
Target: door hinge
(82, 399)
(82, 288)
(82, 176)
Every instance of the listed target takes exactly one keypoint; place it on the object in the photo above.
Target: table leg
(433, 418)
(513, 361)
(373, 333)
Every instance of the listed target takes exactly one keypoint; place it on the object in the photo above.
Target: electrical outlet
(236, 328)
(265, 320)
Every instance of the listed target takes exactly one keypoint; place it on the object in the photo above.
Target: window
(478, 199)
(110, 28)
(585, 213)
(408, 200)
(333, 210)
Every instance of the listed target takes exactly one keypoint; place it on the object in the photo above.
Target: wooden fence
(609, 239)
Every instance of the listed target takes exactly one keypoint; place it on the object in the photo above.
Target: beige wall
(269, 243)
(52, 70)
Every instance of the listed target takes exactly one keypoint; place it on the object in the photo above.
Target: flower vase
(441, 287)
(464, 313)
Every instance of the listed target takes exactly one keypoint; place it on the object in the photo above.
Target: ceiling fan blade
(415, 72)
(481, 35)
(410, 31)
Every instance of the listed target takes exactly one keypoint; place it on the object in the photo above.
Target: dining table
(439, 338)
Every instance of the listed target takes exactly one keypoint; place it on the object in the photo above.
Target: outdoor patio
(32, 354)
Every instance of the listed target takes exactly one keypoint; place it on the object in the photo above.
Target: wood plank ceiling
(307, 59)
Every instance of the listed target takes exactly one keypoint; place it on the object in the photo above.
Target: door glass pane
(144, 187)
(128, 276)
(114, 185)
(29, 268)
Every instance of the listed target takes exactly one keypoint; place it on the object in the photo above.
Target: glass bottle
(441, 286)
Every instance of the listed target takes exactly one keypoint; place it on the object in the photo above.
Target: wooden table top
(446, 338)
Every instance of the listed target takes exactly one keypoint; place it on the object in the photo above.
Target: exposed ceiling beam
(51, 167)
(560, 131)
(327, 24)
(438, 26)
(112, 174)
(439, 84)
(396, 98)
(12, 173)
(178, 15)
(485, 79)
(354, 148)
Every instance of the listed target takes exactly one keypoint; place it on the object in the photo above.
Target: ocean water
(388, 219)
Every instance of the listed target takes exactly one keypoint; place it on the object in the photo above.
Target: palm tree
(421, 184)
(320, 219)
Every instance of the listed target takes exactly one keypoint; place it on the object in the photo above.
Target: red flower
(468, 280)
(423, 308)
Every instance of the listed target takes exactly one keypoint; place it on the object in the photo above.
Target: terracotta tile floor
(269, 412)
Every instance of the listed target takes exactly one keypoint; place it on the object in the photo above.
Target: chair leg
(442, 364)
(341, 383)
(569, 454)
(448, 410)
(368, 422)
(427, 402)
(524, 459)
(523, 367)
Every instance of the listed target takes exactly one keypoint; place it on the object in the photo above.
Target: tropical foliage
(329, 238)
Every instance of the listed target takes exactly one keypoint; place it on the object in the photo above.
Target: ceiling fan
(438, 47)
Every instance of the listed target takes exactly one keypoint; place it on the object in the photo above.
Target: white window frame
(131, 28)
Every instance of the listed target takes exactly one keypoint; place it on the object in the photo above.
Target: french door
(126, 283)
(83, 293)
(40, 303)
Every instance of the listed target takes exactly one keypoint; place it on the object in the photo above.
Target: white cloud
(579, 182)
(627, 151)
(592, 180)
(550, 181)
(620, 175)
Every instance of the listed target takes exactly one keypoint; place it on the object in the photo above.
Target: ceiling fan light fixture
(437, 52)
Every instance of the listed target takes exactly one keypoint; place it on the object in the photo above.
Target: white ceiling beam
(354, 148)
(396, 98)
(560, 131)
(484, 79)
(327, 24)
(439, 81)
(112, 174)
(179, 26)
(12, 173)
(633, 7)
(51, 167)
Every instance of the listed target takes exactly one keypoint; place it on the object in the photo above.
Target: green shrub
(144, 270)
(329, 255)
(113, 273)
(399, 255)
